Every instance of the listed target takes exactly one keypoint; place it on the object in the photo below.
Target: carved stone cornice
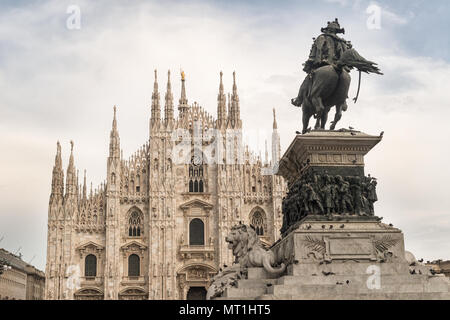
(206, 206)
(344, 148)
(133, 244)
(89, 247)
(188, 252)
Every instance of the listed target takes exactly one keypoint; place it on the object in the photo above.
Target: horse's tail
(352, 58)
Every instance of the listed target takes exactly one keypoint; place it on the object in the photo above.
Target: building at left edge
(18, 279)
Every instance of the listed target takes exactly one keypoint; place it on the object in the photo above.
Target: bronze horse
(328, 86)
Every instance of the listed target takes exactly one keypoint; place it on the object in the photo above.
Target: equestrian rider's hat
(333, 27)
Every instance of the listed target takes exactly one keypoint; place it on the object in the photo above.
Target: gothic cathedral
(156, 228)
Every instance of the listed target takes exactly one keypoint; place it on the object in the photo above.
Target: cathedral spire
(156, 108)
(71, 180)
(235, 116)
(266, 154)
(183, 103)
(276, 149)
(114, 141)
(57, 175)
(221, 105)
(275, 126)
(229, 111)
(234, 84)
(168, 108)
(84, 187)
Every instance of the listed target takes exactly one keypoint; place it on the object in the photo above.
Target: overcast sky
(58, 83)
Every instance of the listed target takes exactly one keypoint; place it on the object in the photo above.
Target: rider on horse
(328, 80)
(326, 50)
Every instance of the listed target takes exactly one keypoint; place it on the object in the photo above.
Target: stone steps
(325, 288)
(347, 268)
(328, 291)
(353, 279)
(362, 296)
(255, 283)
(249, 293)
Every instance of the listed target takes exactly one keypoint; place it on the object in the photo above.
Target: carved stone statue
(328, 80)
(248, 252)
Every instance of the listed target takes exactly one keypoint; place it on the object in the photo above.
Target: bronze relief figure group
(328, 195)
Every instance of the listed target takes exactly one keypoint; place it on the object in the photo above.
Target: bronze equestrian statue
(328, 80)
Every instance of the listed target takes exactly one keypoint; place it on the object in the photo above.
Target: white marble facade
(155, 229)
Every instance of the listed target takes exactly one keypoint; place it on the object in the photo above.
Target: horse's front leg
(324, 118)
(318, 105)
(338, 115)
(317, 125)
(305, 119)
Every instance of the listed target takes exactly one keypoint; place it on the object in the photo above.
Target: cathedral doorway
(196, 293)
(193, 281)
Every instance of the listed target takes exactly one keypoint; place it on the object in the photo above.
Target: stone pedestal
(326, 181)
(336, 152)
(342, 253)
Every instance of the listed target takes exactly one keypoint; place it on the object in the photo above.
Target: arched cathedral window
(90, 266)
(135, 224)
(196, 174)
(257, 221)
(196, 232)
(134, 266)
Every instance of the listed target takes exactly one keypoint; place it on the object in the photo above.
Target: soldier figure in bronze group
(359, 200)
(328, 80)
(325, 194)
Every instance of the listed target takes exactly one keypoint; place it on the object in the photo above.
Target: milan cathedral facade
(156, 228)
